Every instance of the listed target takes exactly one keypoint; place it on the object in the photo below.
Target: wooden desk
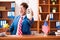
(29, 37)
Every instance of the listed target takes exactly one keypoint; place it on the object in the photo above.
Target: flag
(45, 27)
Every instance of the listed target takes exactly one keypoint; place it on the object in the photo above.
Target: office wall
(32, 3)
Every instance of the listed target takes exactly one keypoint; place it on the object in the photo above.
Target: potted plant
(53, 2)
(54, 10)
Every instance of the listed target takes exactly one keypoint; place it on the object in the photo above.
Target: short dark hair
(25, 5)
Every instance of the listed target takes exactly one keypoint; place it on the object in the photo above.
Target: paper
(29, 13)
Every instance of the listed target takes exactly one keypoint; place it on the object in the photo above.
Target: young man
(21, 24)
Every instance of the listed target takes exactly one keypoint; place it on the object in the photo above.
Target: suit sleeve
(26, 26)
(12, 25)
(30, 21)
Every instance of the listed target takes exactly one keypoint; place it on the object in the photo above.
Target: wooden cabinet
(46, 8)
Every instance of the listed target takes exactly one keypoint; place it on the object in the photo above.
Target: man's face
(22, 10)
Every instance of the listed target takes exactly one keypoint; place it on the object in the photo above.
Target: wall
(32, 3)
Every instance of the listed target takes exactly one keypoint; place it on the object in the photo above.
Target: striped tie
(19, 32)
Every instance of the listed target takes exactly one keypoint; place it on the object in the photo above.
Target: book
(40, 8)
(58, 25)
(51, 16)
(58, 30)
(3, 34)
(11, 14)
(2, 8)
(2, 22)
(12, 6)
(47, 17)
(57, 33)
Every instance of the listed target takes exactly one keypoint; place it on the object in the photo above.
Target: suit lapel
(24, 19)
(18, 20)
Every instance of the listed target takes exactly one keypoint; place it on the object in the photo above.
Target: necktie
(19, 32)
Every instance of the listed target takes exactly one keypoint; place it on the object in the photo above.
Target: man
(21, 24)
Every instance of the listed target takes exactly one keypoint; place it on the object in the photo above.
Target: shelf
(7, 1)
(53, 29)
(55, 13)
(54, 20)
(43, 21)
(48, 12)
(5, 19)
(44, 4)
(54, 5)
(4, 28)
(3, 10)
(33, 29)
(44, 13)
(35, 20)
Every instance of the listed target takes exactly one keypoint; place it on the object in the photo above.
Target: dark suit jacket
(26, 24)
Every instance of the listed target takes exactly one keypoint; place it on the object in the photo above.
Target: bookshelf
(34, 26)
(4, 12)
(5, 7)
(47, 7)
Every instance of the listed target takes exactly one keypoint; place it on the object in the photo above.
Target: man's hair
(25, 5)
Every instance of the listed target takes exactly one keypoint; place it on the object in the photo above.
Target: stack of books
(13, 6)
(2, 34)
(58, 25)
(57, 33)
(11, 14)
(58, 28)
(51, 16)
(2, 22)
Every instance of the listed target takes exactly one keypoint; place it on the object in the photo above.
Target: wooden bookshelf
(34, 26)
(47, 7)
(7, 5)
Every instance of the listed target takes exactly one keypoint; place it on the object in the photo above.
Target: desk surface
(29, 37)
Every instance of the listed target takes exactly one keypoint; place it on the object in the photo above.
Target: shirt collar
(23, 16)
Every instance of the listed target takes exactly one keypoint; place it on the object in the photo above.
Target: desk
(29, 37)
